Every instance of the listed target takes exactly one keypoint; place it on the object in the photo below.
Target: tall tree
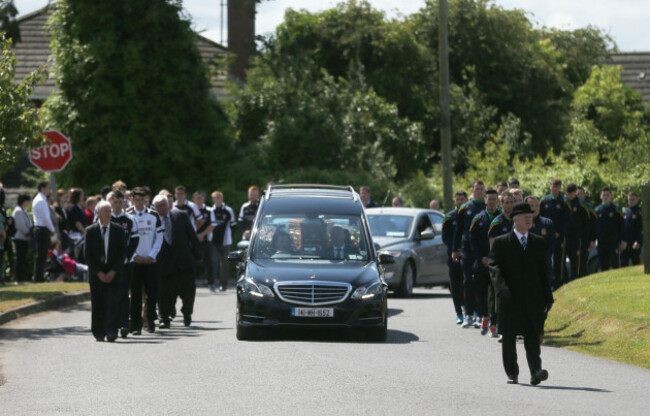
(19, 126)
(133, 94)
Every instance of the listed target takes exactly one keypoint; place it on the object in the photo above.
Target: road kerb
(53, 303)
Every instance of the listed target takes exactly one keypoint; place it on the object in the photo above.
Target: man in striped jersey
(223, 219)
(145, 272)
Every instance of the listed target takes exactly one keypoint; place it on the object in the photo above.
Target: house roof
(33, 51)
(636, 71)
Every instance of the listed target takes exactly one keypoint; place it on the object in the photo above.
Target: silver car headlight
(257, 289)
(369, 292)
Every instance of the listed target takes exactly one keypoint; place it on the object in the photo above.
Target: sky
(626, 21)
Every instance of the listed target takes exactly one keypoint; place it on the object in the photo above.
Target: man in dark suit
(104, 251)
(340, 248)
(518, 270)
(176, 261)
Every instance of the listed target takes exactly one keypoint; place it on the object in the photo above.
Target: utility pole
(223, 6)
(445, 128)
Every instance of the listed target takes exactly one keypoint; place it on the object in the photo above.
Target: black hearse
(311, 262)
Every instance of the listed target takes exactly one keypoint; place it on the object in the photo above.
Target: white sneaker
(477, 321)
(469, 321)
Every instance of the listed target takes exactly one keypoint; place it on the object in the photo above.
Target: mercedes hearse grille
(312, 293)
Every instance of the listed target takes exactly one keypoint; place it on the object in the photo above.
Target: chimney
(241, 35)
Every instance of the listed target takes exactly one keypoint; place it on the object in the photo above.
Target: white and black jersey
(128, 224)
(223, 219)
(247, 215)
(205, 214)
(191, 210)
(151, 230)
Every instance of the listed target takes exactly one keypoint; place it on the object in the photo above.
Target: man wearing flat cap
(518, 270)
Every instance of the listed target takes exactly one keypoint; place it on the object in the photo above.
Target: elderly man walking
(518, 270)
(104, 252)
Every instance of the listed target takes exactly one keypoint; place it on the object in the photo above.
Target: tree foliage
(133, 95)
(8, 23)
(19, 125)
(508, 79)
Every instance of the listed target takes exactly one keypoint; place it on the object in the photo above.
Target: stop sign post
(54, 156)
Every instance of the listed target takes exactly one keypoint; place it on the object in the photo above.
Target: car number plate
(313, 312)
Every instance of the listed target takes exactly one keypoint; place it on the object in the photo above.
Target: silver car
(414, 237)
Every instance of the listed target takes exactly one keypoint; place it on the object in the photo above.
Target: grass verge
(606, 315)
(14, 296)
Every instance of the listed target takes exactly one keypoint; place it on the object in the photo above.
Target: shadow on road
(334, 335)
(590, 389)
(423, 295)
(174, 333)
(13, 334)
(393, 312)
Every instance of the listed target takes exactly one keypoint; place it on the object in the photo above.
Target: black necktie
(104, 232)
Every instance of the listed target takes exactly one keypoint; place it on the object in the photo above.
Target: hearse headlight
(368, 292)
(257, 289)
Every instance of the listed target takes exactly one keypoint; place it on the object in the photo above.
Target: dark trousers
(573, 248)
(219, 257)
(456, 285)
(584, 258)
(206, 249)
(9, 254)
(21, 260)
(509, 353)
(104, 300)
(607, 256)
(468, 280)
(172, 284)
(630, 255)
(559, 272)
(42, 235)
(145, 276)
(124, 287)
(481, 284)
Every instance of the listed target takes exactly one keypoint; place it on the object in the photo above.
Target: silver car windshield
(391, 226)
(317, 237)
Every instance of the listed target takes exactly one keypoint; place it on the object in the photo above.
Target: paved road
(50, 364)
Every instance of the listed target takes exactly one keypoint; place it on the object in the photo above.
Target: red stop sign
(53, 156)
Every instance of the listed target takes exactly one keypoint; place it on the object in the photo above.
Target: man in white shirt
(43, 228)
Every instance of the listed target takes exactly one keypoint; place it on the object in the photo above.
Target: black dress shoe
(111, 338)
(187, 320)
(99, 339)
(124, 332)
(513, 379)
(164, 325)
(151, 328)
(538, 377)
